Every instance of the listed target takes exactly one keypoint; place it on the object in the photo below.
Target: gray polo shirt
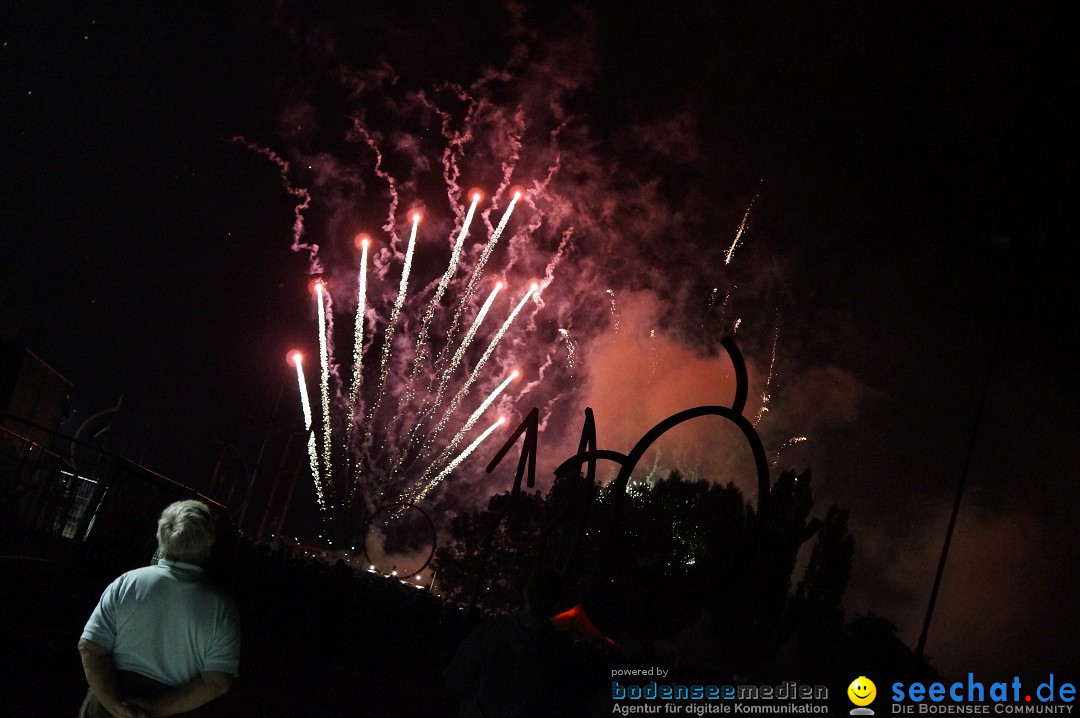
(168, 623)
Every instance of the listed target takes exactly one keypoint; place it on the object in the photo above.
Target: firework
(481, 263)
(571, 349)
(422, 340)
(469, 336)
(381, 446)
(395, 313)
(738, 234)
(429, 406)
(296, 359)
(324, 380)
(464, 390)
(466, 428)
(653, 358)
(766, 394)
(790, 442)
(362, 242)
(460, 457)
(614, 310)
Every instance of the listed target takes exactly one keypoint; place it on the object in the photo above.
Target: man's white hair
(186, 532)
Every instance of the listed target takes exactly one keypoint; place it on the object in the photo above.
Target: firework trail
(721, 313)
(464, 390)
(457, 461)
(362, 241)
(296, 359)
(467, 426)
(391, 184)
(428, 407)
(455, 255)
(571, 348)
(765, 395)
(790, 442)
(478, 270)
(514, 134)
(741, 231)
(455, 140)
(712, 301)
(614, 310)
(490, 246)
(421, 344)
(549, 270)
(650, 478)
(388, 339)
(324, 383)
(301, 194)
(654, 362)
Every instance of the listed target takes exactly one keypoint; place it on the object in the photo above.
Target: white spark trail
(313, 453)
(790, 442)
(654, 361)
(358, 335)
(457, 461)
(358, 359)
(478, 270)
(455, 256)
(429, 408)
(571, 348)
(765, 395)
(614, 310)
(464, 390)
(460, 353)
(324, 381)
(388, 337)
(739, 233)
(468, 425)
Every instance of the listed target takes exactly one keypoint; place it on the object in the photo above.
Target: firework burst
(391, 431)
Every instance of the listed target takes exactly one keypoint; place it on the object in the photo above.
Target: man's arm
(195, 693)
(101, 675)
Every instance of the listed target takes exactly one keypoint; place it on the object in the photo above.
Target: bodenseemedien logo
(862, 693)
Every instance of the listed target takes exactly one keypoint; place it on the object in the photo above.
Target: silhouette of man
(511, 665)
(162, 641)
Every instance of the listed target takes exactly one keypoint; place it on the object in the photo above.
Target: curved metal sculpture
(628, 462)
(403, 507)
(588, 455)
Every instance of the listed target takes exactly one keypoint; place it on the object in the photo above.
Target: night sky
(905, 171)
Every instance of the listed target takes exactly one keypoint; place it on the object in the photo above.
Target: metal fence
(51, 484)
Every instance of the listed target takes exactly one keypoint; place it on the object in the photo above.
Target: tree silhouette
(511, 557)
(701, 562)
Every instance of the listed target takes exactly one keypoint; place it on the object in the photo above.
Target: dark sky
(906, 173)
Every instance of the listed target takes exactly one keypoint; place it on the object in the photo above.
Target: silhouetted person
(512, 665)
(162, 640)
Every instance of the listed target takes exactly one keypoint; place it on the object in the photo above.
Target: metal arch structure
(588, 455)
(628, 462)
(526, 469)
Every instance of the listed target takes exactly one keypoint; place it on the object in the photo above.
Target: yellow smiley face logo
(862, 691)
